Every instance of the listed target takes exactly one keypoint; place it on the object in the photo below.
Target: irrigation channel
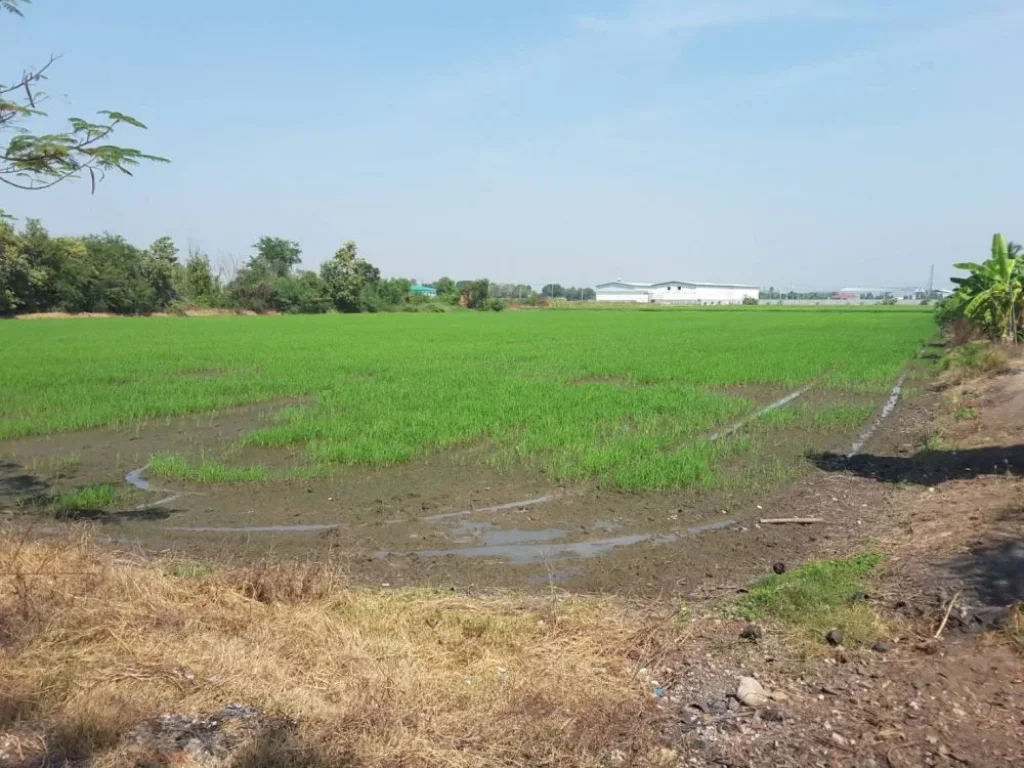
(520, 547)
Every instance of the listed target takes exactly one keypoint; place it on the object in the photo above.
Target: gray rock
(835, 637)
(880, 647)
(779, 567)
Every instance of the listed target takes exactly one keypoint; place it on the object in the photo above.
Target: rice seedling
(175, 467)
(88, 498)
(842, 417)
(623, 396)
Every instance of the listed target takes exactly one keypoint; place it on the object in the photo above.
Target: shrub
(750, 301)
(494, 305)
(975, 359)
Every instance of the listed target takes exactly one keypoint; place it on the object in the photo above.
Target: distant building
(675, 292)
(424, 290)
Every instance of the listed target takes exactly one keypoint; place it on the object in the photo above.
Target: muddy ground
(455, 520)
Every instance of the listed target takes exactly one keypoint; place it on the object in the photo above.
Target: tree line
(106, 273)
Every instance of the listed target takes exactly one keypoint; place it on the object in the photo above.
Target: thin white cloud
(587, 41)
(652, 19)
(922, 47)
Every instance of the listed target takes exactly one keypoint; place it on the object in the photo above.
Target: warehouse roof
(637, 286)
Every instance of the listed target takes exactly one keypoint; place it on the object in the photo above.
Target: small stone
(779, 696)
(752, 632)
(779, 567)
(772, 716)
(835, 637)
(751, 693)
(880, 647)
(860, 597)
(840, 740)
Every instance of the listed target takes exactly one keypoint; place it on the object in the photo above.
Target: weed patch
(818, 597)
(973, 359)
(89, 498)
(966, 414)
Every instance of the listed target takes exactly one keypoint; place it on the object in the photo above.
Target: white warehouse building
(675, 292)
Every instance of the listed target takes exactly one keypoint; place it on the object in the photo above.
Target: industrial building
(675, 292)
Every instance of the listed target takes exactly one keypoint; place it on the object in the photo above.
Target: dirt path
(954, 543)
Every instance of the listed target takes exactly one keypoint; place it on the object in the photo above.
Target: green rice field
(625, 396)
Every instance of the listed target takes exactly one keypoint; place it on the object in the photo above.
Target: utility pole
(931, 282)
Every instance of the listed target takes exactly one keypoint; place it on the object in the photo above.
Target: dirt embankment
(111, 658)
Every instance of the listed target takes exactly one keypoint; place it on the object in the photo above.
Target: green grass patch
(779, 418)
(842, 417)
(966, 414)
(88, 498)
(174, 467)
(817, 598)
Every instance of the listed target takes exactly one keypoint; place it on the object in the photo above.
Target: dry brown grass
(91, 644)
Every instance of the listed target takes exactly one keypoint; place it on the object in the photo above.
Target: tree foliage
(349, 280)
(992, 295)
(40, 160)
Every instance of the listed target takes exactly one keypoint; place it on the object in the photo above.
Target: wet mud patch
(65, 461)
(454, 520)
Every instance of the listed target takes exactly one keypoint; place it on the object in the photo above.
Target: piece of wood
(945, 618)
(791, 520)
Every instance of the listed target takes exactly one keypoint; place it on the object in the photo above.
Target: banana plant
(993, 294)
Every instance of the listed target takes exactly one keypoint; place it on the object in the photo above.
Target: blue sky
(796, 143)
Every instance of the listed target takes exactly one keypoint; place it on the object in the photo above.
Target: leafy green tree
(444, 286)
(387, 293)
(476, 293)
(200, 285)
(161, 268)
(275, 257)
(347, 277)
(992, 295)
(304, 293)
(113, 278)
(41, 160)
(16, 279)
(552, 291)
